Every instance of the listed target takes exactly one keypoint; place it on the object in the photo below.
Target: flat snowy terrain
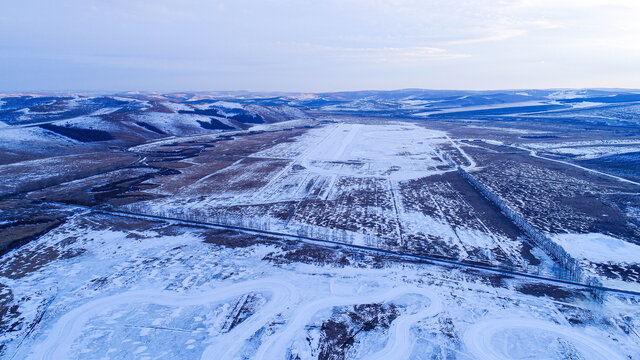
(411, 224)
(168, 291)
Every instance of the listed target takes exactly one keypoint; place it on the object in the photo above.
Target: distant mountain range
(37, 125)
(32, 126)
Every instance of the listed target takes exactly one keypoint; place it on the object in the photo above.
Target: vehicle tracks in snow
(485, 339)
(60, 337)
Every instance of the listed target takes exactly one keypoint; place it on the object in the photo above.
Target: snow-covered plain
(584, 153)
(137, 287)
(584, 150)
(599, 248)
(483, 107)
(346, 182)
(398, 151)
(162, 291)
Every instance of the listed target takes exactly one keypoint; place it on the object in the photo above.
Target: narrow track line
(534, 153)
(432, 259)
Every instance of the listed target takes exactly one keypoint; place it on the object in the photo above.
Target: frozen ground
(599, 248)
(384, 185)
(350, 233)
(398, 151)
(482, 107)
(172, 292)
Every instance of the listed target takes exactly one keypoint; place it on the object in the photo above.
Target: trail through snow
(492, 339)
(60, 337)
(535, 154)
(399, 336)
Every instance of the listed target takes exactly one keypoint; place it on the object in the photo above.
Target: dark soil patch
(234, 239)
(496, 280)
(339, 333)
(16, 234)
(555, 197)
(8, 312)
(214, 124)
(10, 318)
(242, 310)
(158, 107)
(626, 272)
(310, 254)
(300, 252)
(525, 252)
(58, 105)
(23, 262)
(624, 165)
(150, 127)
(82, 135)
(552, 291)
(485, 210)
(119, 188)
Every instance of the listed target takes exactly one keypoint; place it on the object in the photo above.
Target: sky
(317, 45)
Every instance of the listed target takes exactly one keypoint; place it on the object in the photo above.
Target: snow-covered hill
(36, 126)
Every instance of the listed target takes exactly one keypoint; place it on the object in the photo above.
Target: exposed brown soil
(26, 221)
(234, 239)
(23, 262)
(339, 333)
(552, 291)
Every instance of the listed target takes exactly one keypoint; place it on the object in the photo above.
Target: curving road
(486, 340)
(276, 347)
(60, 337)
(400, 342)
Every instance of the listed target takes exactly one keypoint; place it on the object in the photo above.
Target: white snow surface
(176, 106)
(89, 122)
(176, 124)
(553, 145)
(228, 105)
(598, 248)
(398, 151)
(567, 94)
(34, 138)
(141, 294)
(592, 152)
(276, 113)
(494, 339)
(482, 107)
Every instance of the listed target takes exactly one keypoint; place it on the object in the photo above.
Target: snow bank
(594, 152)
(228, 105)
(598, 248)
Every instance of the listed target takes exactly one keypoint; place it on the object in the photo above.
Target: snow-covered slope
(36, 126)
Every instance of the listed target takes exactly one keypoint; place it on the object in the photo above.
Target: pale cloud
(495, 35)
(263, 44)
(376, 54)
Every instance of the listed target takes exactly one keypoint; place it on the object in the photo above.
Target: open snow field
(188, 227)
(384, 185)
(397, 151)
(173, 292)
